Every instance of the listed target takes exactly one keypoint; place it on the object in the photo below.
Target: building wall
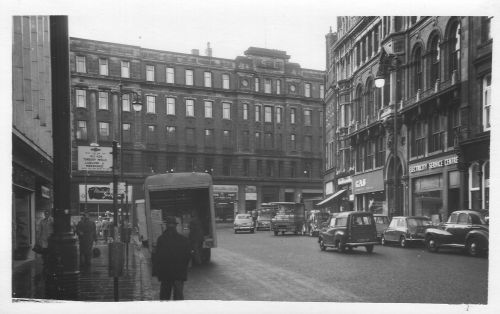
(32, 154)
(142, 156)
(444, 113)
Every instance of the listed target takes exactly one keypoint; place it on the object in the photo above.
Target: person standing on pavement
(170, 261)
(45, 229)
(86, 232)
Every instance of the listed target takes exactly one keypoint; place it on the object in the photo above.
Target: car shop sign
(437, 163)
(95, 158)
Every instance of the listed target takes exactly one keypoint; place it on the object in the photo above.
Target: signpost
(95, 158)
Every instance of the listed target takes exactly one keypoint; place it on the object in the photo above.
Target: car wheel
(473, 247)
(340, 247)
(432, 245)
(322, 246)
(402, 242)
(275, 233)
(369, 248)
(382, 240)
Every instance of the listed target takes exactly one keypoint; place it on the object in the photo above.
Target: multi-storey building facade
(32, 153)
(419, 145)
(255, 122)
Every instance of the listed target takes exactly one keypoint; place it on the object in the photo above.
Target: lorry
(186, 196)
(289, 217)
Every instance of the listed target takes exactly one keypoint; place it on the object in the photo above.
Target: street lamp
(390, 63)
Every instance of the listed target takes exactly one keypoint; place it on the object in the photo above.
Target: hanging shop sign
(45, 191)
(95, 158)
(368, 182)
(345, 180)
(436, 163)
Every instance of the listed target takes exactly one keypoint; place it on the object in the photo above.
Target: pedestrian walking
(86, 231)
(170, 261)
(45, 229)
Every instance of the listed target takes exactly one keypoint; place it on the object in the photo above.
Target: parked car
(263, 222)
(465, 229)
(243, 222)
(314, 221)
(405, 230)
(347, 230)
(381, 222)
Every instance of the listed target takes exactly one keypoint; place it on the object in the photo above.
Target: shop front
(369, 193)
(225, 201)
(435, 187)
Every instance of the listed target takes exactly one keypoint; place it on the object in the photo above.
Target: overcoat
(171, 256)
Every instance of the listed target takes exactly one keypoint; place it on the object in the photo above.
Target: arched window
(417, 70)
(370, 96)
(360, 110)
(454, 48)
(435, 56)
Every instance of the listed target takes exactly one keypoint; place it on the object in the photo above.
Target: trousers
(167, 286)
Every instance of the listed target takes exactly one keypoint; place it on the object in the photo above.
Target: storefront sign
(225, 189)
(438, 163)
(100, 193)
(368, 182)
(45, 191)
(346, 180)
(251, 196)
(95, 158)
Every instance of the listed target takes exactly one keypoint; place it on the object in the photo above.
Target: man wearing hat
(86, 235)
(170, 261)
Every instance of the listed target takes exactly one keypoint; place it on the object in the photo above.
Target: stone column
(93, 138)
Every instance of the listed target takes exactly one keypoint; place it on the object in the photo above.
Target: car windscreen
(243, 217)
(361, 220)
(341, 222)
(381, 220)
(414, 222)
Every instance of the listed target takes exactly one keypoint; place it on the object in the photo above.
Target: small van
(347, 230)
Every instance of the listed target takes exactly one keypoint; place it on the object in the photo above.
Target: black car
(465, 229)
(406, 229)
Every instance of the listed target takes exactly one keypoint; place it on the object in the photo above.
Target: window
(226, 110)
(246, 167)
(279, 113)
(226, 138)
(369, 155)
(126, 102)
(226, 167)
(370, 105)
(208, 109)
(418, 139)
(292, 116)
(257, 113)
(150, 73)
(322, 91)
(485, 28)
(225, 81)
(380, 152)
(417, 70)
(104, 131)
(171, 135)
(103, 100)
(170, 75)
(308, 143)
(190, 139)
(281, 166)
(370, 47)
(259, 168)
(307, 91)
(267, 86)
(125, 69)
(81, 99)
(189, 77)
(486, 102)
(171, 164)
(151, 104)
(126, 131)
(245, 111)
(80, 64)
(278, 87)
(455, 48)
(279, 142)
(103, 66)
(81, 131)
(453, 126)
(209, 164)
(359, 157)
(268, 140)
(375, 39)
(190, 164)
(257, 140)
(293, 169)
(293, 143)
(246, 140)
(307, 117)
(257, 84)
(170, 106)
(436, 130)
(209, 137)
(270, 168)
(208, 79)
(268, 114)
(360, 109)
(189, 107)
(151, 135)
(435, 56)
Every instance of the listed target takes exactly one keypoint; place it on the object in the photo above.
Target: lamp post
(390, 63)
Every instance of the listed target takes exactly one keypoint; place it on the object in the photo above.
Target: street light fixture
(390, 63)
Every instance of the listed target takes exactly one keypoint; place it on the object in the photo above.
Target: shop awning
(331, 197)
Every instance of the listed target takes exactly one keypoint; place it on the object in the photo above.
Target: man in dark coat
(86, 232)
(170, 261)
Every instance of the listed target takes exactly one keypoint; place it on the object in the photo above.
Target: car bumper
(243, 228)
(361, 243)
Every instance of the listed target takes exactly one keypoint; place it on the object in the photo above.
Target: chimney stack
(208, 51)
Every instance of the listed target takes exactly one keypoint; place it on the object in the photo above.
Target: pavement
(95, 284)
